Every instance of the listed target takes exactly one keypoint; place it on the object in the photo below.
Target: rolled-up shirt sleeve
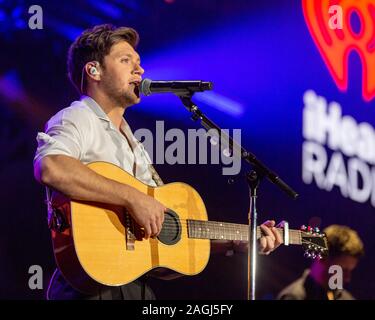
(64, 135)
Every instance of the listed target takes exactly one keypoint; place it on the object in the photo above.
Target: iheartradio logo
(335, 44)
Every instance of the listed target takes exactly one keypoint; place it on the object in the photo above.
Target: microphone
(184, 87)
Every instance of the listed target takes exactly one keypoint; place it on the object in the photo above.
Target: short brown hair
(93, 45)
(343, 241)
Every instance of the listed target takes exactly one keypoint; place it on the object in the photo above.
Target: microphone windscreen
(144, 87)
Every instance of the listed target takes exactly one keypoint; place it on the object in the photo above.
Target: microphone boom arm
(249, 157)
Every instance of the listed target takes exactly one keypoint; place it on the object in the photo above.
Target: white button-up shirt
(83, 131)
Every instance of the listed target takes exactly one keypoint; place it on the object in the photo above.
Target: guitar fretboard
(214, 230)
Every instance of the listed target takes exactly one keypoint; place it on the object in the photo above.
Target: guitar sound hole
(171, 230)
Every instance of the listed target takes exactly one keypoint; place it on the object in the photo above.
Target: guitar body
(95, 249)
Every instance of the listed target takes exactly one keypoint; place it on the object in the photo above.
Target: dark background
(259, 55)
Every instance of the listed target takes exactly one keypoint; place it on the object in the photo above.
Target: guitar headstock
(314, 242)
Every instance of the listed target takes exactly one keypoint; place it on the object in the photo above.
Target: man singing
(105, 68)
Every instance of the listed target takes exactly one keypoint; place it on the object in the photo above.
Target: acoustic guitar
(98, 244)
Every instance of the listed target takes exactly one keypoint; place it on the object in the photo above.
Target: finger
(154, 228)
(270, 245)
(147, 231)
(281, 224)
(267, 231)
(270, 223)
(278, 239)
(159, 225)
(262, 244)
(162, 216)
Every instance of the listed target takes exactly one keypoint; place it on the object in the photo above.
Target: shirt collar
(95, 107)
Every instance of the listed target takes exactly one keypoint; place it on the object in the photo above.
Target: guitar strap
(155, 176)
(159, 182)
(48, 202)
(56, 219)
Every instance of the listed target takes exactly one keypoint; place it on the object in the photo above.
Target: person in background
(345, 250)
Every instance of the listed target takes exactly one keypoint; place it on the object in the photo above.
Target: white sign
(350, 164)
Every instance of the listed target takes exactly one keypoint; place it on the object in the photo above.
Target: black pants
(60, 289)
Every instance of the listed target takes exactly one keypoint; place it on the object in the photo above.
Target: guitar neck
(214, 230)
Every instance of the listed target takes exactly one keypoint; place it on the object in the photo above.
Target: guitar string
(216, 223)
(237, 236)
(212, 227)
(171, 228)
(217, 235)
(226, 235)
(295, 235)
(241, 237)
(221, 230)
(207, 225)
(293, 240)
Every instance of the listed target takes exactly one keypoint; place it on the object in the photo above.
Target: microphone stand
(253, 178)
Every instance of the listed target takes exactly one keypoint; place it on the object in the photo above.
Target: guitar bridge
(129, 232)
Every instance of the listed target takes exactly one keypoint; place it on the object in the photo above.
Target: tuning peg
(307, 254)
(313, 255)
(309, 229)
(303, 227)
(317, 230)
(319, 256)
